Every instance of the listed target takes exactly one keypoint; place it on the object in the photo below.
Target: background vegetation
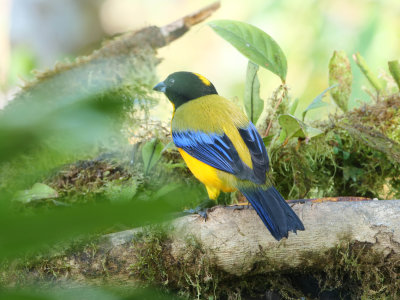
(85, 150)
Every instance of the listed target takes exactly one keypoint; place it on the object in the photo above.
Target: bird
(223, 149)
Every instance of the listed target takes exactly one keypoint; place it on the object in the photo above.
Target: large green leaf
(252, 102)
(253, 43)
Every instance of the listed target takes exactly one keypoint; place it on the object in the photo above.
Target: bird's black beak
(160, 87)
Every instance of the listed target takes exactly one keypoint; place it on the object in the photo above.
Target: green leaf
(290, 126)
(346, 155)
(293, 106)
(338, 140)
(169, 146)
(267, 140)
(311, 132)
(394, 68)
(372, 78)
(293, 127)
(151, 154)
(336, 150)
(340, 75)
(317, 102)
(39, 191)
(252, 102)
(253, 43)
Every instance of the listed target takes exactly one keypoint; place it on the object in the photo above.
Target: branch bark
(237, 240)
(125, 47)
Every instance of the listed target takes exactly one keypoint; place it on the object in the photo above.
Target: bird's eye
(171, 81)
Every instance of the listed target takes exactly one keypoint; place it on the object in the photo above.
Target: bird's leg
(243, 204)
(201, 209)
(240, 206)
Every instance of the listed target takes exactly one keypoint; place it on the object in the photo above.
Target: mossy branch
(350, 245)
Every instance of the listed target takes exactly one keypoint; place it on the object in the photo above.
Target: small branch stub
(176, 29)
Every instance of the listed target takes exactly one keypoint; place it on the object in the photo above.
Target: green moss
(191, 275)
(356, 270)
(354, 156)
(346, 271)
(87, 180)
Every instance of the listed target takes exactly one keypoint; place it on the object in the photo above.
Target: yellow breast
(208, 175)
(214, 114)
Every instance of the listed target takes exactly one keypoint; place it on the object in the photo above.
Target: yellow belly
(207, 175)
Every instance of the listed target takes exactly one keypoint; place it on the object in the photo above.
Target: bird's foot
(201, 209)
(201, 212)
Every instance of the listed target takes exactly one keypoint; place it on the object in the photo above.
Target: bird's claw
(202, 212)
(201, 209)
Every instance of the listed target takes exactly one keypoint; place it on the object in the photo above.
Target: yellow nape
(207, 175)
(203, 79)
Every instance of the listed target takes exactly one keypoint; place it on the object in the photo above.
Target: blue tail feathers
(273, 210)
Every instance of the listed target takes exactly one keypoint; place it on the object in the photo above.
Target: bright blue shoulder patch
(218, 151)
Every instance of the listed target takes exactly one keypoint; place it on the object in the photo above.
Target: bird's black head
(181, 87)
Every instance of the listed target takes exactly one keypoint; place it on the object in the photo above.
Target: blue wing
(255, 144)
(218, 151)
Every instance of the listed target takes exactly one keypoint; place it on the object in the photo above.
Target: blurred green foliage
(42, 130)
(22, 62)
(310, 31)
(69, 115)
